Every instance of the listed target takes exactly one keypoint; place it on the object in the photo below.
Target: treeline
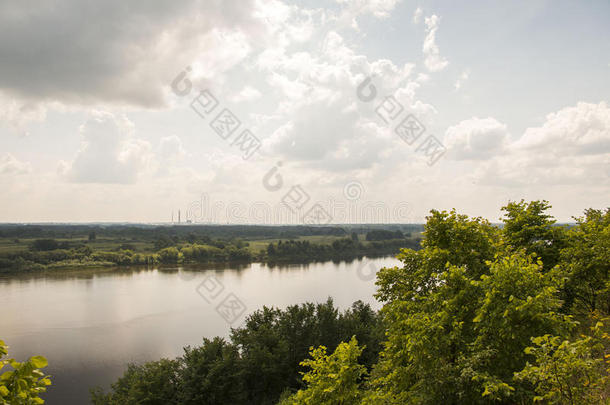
(338, 249)
(259, 363)
(143, 232)
(481, 314)
(383, 234)
(47, 253)
(85, 256)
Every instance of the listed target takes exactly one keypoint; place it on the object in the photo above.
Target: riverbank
(289, 251)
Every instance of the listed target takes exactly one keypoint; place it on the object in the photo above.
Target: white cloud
(10, 165)
(580, 130)
(16, 114)
(432, 59)
(475, 138)
(109, 153)
(320, 121)
(461, 80)
(378, 8)
(170, 148)
(572, 147)
(417, 15)
(248, 93)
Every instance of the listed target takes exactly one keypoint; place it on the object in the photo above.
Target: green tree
(575, 371)
(23, 384)
(586, 262)
(169, 255)
(332, 379)
(45, 245)
(528, 226)
(212, 374)
(152, 383)
(261, 360)
(459, 317)
(519, 300)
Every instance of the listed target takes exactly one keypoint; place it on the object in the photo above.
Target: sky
(301, 111)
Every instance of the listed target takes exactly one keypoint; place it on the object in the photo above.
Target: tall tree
(332, 379)
(586, 261)
(528, 226)
(459, 318)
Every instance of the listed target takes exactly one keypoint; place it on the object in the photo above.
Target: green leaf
(7, 375)
(39, 361)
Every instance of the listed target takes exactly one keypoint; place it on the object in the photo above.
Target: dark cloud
(87, 52)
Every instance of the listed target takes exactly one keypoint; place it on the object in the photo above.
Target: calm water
(90, 324)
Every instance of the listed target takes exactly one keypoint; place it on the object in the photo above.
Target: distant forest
(30, 247)
(152, 232)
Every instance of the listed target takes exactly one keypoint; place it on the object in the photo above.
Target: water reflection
(187, 271)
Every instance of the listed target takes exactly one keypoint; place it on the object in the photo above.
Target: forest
(480, 314)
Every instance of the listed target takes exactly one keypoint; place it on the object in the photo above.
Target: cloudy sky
(98, 103)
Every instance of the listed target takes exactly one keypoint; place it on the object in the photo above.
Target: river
(91, 323)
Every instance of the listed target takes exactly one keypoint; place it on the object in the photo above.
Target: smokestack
(178, 216)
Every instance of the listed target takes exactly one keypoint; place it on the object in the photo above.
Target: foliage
(333, 379)
(184, 232)
(570, 371)
(586, 262)
(528, 226)
(274, 342)
(25, 382)
(519, 301)
(304, 250)
(152, 383)
(45, 244)
(169, 255)
(382, 234)
(461, 312)
(208, 374)
(212, 374)
(261, 360)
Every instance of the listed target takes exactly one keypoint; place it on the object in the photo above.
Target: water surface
(91, 323)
